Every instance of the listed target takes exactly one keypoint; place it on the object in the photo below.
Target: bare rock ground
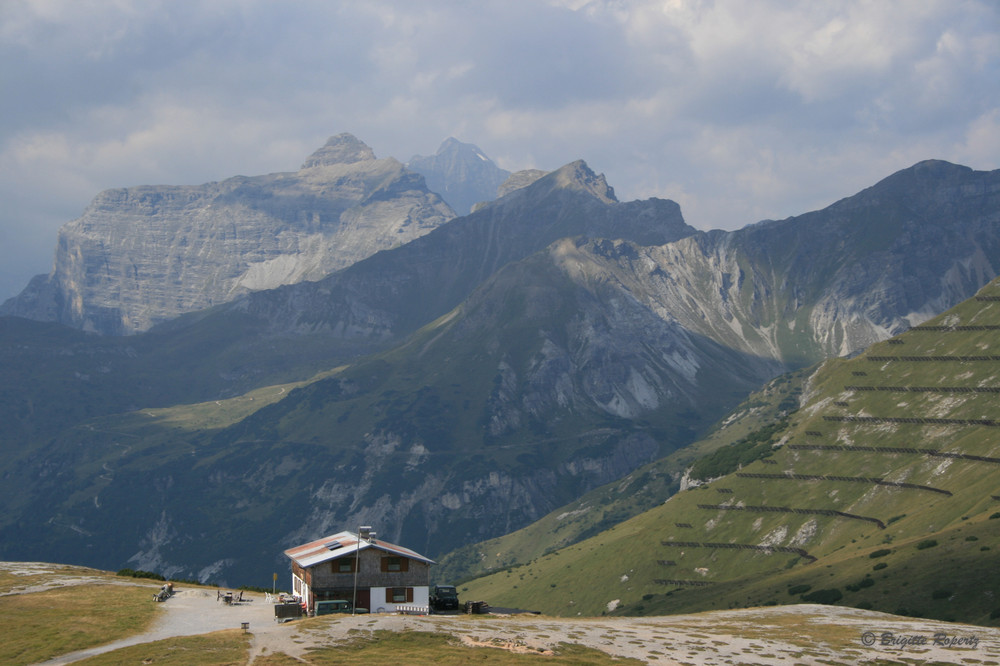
(803, 634)
(782, 635)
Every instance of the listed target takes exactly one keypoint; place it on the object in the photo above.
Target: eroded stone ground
(803, 634)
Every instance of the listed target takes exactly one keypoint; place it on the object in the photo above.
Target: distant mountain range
(463, 384)
(143, 255)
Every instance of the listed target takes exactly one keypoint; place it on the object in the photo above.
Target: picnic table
(230, 598)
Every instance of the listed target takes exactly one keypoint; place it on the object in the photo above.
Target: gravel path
(188, 613)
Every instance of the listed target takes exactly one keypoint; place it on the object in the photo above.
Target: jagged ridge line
(856, 479)
(787, 509)
(892, 449)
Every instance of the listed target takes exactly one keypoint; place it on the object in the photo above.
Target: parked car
(332, 606)
(444, 597)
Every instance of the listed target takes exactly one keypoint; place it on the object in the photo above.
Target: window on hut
(399, 595)
(395, 564)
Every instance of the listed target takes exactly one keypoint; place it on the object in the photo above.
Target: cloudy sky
(738, 110)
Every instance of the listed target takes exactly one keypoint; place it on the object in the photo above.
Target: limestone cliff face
(142, 255)
(827, 283)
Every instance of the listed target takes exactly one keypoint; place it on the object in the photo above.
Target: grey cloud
(738, 110)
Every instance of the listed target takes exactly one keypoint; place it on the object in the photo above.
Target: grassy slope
(612, 503)
(151, 436)
(421, 647)
(83, 608)
(430, 393)
(219, 648)
(56, 377)
(45, 624)
(635, 564)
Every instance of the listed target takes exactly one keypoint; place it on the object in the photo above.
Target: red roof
(343, 544)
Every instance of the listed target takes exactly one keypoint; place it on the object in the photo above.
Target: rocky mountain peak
(461, 173)
(937, 167)
(520, 179)
(922, 174)
(926, 183)
(579, 177)
(451, 145)
(341, 149)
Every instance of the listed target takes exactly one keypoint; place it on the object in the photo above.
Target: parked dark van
(444, 597)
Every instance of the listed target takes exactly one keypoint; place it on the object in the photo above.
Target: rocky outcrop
(519, 179)
(142, 255)
(461, 174)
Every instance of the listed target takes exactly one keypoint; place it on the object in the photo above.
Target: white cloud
(738, 110)
(982, 140)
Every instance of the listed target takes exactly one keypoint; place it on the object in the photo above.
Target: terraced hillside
(881, 492)
(610, 504)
